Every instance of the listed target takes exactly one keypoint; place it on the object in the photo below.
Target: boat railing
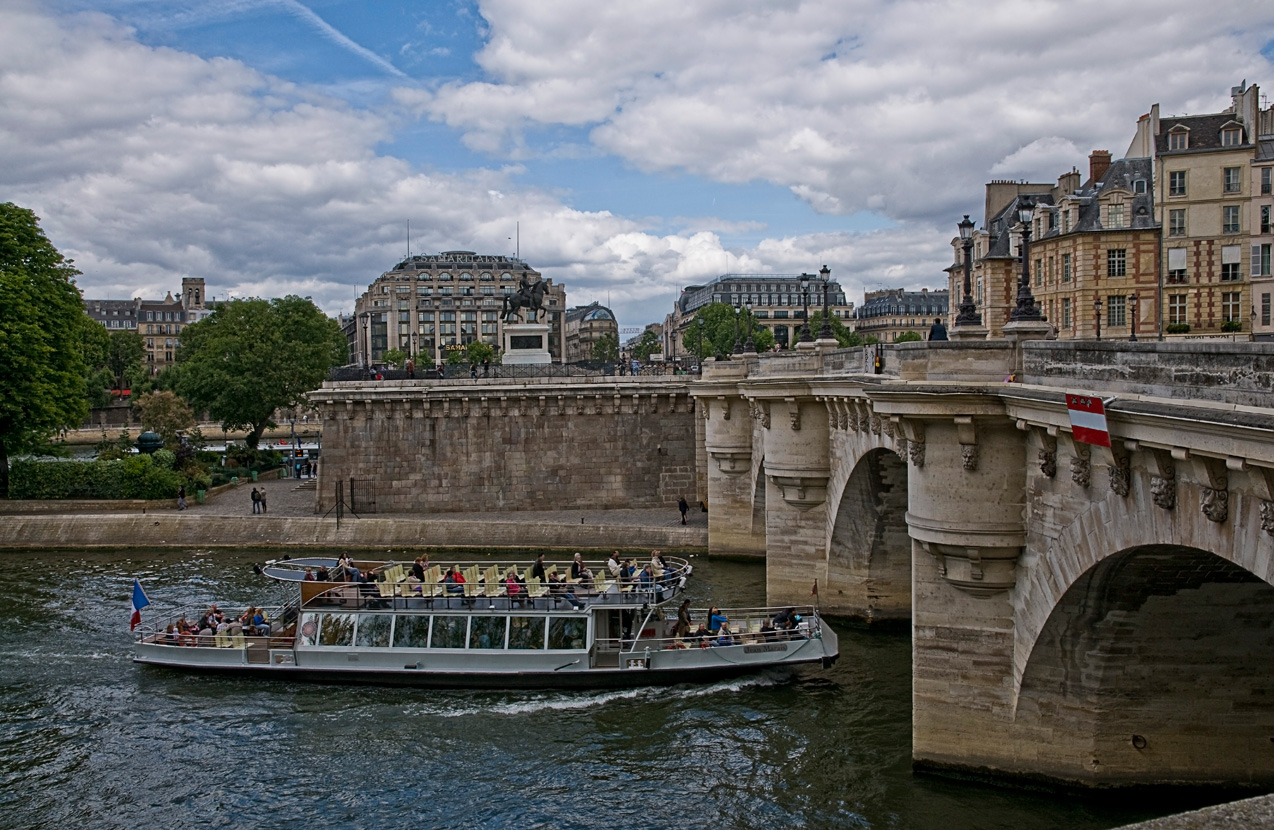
(743, 626)
(532, 595)
(183, 625)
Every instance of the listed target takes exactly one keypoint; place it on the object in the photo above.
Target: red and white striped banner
(1088, 419)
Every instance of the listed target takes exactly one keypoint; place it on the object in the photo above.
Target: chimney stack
(1098, 164)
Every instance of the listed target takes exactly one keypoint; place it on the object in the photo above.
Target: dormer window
(1139, 186)
(1232, 137)
(1179, 138)
(1115, 216)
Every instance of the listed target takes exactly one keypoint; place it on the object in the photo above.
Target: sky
(626, 150)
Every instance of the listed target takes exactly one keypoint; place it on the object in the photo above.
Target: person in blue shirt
(716, 619)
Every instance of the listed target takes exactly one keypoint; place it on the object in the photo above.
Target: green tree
(455, 357)
(606, 348)
(713, 334)
(844, 336)
(909, 337)
(166, 414)
(42, 339)
(648, 344)
(477, 351)
(251, 357)
(395, 358)
(125, 356)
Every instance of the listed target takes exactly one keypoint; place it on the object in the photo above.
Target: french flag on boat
(140, 601)
(1088, 419)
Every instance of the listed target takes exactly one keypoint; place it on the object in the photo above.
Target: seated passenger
(513, 586)
(577, 567)
(309, 575)
(702, 636)
(783, 619)
(454, 580)
(418, 568)
(612, 565)
(170, 635)
(725, 638)
(570, 597)
(323, 575)
(646, 579)
(768, 633)
(261, 623)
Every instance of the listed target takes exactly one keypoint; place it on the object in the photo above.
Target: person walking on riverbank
(263, 505)
(181, 497)
(683, 507)
(256, 501)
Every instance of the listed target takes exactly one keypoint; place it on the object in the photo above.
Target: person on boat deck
(323, 575)
(569, 595)
(768, 632)
(309, 574)
(716, 619)
(418, 570)
(246, 619)
(454, 580)
(783, 619)
(612, 565)
(683, 620)
(724, 638)
(577, 567)
(170, 635)
(646, 580)
(537, 570)
(702, 635)
(657, 562)
(513, 586)
(260, 623)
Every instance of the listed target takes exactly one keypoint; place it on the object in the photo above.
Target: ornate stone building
(429, 305)
(585, 325)
(159, 322)
(777, 304)
(887, 314)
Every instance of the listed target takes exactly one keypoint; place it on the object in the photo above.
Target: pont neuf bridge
(1080, 614)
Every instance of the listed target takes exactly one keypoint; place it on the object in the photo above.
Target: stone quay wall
(556, 443)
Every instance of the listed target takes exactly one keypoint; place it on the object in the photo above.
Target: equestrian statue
(529, 297)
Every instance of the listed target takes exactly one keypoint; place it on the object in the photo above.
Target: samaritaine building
(430, 305)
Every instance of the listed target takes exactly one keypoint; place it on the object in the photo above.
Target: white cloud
(899, 107)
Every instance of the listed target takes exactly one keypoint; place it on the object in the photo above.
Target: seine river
(89, 740)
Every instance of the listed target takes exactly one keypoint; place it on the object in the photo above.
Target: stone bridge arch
(1144, 640)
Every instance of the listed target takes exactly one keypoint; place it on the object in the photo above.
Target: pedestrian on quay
(263, 506)
(256, 501)
(684, 507)
(937, 331)
(181, 497)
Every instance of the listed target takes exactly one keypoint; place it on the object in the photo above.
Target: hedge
(138, 477)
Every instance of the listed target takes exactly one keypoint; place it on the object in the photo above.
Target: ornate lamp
(1025, 310)
(805, 297)
(968, 315)
(825, 331)
(1097, 315)
(750, 345)
(1132, 308)
(738, 341)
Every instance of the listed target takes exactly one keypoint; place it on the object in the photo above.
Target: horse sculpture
(529, 297)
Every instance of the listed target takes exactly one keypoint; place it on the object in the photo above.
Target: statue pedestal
(526, 344)
(958, 332)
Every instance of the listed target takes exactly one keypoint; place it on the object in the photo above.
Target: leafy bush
(1177, 328)
(909, 337)
(1231, 326)
(165, 458)
(137, 477)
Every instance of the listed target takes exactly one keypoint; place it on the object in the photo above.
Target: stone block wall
(586, 446)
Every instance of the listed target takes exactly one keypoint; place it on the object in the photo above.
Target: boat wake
(538, 702)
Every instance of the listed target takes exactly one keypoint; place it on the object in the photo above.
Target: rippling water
(87, 738)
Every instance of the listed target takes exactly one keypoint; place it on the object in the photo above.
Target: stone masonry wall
(499, 448)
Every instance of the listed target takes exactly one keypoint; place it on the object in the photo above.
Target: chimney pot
(1098, 164)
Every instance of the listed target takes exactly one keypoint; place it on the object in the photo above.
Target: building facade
(889, 313)
(159, 322)
(585, 325)
(777, 304)
(1262, 228)
(431, 305)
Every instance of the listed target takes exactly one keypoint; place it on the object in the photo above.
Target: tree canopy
(42, 338)
(648, 344)
(844, 336)
(606, 348)
(251, 357)
(715, 335)
(166, 414)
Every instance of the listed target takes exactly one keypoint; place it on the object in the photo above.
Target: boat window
(486, 632)
(411, 631)
(526, 632)
(309, 629)
(337, 630)
(373, 630)
(449, 632)
(567, 633)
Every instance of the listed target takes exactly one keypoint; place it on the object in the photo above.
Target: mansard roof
(1205, 131)
(1122, 175)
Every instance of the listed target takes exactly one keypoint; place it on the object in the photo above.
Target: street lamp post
(1026, 310)
(1097, 316)
(968, 315)
(738, 341)
(825, 331)
(1132, 308)
(750, 345)
(805, 298)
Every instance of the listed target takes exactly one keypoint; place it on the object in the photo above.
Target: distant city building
(1262, 230)
(585, 325)
(887, 314)
(159, 322)
(434, 304)
(777, 304)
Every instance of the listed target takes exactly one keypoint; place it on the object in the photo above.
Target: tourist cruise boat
(398, 630)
